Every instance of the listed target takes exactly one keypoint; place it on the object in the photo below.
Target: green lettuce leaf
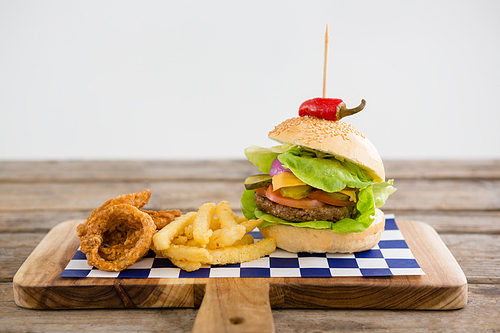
(248, 205)
(262, 158)
(325, 172)
(382, 191)
(328, 174)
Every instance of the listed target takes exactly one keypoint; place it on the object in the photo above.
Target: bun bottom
(294, 239)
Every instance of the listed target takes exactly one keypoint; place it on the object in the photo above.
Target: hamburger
(320, 190)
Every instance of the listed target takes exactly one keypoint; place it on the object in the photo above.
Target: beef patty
(324, 213)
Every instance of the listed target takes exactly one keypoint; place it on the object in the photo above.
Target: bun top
(332, 137)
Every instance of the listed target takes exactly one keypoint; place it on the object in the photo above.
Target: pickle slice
(258, 181)
(338, 196)
(296, 192)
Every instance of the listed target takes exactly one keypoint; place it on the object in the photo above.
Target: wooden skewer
(325, 63)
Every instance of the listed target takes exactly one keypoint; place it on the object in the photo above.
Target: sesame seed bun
(294, 239)
(332, 137)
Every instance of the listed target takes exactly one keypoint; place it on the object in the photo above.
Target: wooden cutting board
(242, 304)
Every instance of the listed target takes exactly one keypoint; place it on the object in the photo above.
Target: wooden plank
(445, 195)
(455, 222)
(135, 171)
(235, 305)
(37, 221)
(442, 169)
(477, 255)
(16, 319)
(73, 171)
(14, 249)
(439, 195)
(182, 195)
(37, 285)
(480, 314)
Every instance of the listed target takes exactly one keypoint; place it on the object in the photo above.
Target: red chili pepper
(328, 108)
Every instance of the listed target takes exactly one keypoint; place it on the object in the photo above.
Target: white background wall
(205, 79)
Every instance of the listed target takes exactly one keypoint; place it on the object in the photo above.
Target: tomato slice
(296, 203)
(260, 190)
(323, 197)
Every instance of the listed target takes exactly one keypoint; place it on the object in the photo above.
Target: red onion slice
(277, 168)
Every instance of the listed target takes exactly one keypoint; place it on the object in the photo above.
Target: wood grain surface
(459, 199)
(444, 287)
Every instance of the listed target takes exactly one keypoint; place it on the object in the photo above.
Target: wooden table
(459, 199)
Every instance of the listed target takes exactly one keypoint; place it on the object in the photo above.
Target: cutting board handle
(235, 305)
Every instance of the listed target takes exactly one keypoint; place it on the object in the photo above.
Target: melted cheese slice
(286, 179)
(350, 193)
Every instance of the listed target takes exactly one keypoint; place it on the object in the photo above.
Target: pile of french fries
(214, 235)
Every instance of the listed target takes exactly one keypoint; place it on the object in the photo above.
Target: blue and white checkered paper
(390, 257)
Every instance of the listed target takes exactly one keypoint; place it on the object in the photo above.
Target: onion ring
(137, 199)
(122, 251)
(119, 233)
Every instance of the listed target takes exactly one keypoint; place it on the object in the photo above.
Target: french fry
(240, 219)
(192, 242)
(188, 231)
(202, 237)
(251, 224)
(188, 266)
(225, 215)
(187, 253)
(179, 240)
(226, 236)
(215, 223)
(243, 253)
(245, 240)
(201, 231)
(163, 238)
